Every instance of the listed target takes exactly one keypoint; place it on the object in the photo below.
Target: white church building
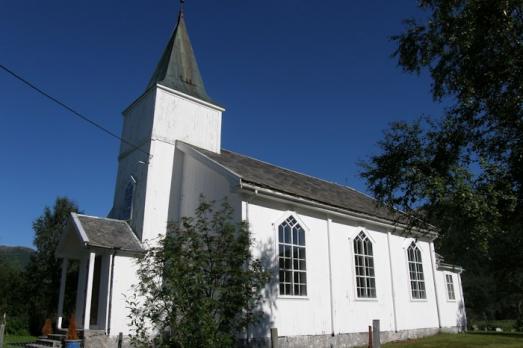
(341, 260)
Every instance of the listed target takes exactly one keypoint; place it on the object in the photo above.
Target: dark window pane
(411, 254)
(287, 230)
(288, 263)
(288, 251)
(302, 265)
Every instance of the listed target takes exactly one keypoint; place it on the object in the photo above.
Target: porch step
(57, 337)
(49, 342)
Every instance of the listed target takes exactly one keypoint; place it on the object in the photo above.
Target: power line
(73, 111)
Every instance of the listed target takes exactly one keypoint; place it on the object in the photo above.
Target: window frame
(410, 280)
(447, 287)
(352, 240)
(299, 222)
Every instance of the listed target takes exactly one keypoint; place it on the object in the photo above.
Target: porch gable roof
(106, 233)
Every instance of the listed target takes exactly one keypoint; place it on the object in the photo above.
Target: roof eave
(117, 250)
(250, 187)
(449, 267)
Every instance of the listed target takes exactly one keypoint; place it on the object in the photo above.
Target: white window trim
(275, 226)
(409, 286)
(453, 287)
(352, 265)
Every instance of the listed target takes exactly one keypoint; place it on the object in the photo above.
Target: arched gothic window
(364, 263)
(291, 244)
(417, 280)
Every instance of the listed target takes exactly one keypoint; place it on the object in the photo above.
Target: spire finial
(182, 5)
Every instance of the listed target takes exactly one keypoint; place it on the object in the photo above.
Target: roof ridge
(304, 174)
(102, 218)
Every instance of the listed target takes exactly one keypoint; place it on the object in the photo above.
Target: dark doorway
(95, 295)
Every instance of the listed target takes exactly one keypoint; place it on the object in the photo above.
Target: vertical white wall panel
(125, 269)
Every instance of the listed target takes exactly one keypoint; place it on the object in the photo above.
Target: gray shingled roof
(108, 233)
(287, 181)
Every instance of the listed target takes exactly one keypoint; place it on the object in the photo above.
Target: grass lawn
(471, 340)
(15, 341)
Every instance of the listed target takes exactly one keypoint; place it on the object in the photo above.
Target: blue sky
(308, 85)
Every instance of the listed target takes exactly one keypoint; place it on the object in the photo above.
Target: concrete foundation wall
(359, 339)
(96, 339)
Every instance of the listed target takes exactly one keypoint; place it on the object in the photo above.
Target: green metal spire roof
(177, 69)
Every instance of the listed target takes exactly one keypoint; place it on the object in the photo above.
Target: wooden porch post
(63, 279)
(89, 291)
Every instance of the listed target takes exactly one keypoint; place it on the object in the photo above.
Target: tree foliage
(463, 171)
(42, 275)
(12, 299)
(199, 286)
(29, 292)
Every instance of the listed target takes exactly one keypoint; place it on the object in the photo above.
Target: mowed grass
(15, 341)
(463, 341)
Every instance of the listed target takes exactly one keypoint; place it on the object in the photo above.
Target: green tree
(42, 275)
(200, 286)
(12, 298)
(463, 171)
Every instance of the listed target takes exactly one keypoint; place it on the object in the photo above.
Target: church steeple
(178, 69)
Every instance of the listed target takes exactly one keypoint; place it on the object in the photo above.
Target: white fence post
(2, 331)
(274, 337)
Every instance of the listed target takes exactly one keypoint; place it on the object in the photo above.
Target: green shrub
(492, 325)
(17, 326)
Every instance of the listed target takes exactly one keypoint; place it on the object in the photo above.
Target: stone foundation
(98, 339)
(343, 340)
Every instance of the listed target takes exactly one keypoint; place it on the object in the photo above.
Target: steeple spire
(177, 68)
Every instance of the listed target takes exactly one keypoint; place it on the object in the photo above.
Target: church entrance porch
(91, 296)
(93, 244)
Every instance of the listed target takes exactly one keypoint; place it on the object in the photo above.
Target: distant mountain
(15, 256)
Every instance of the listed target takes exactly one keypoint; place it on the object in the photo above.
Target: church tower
(174, 107)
